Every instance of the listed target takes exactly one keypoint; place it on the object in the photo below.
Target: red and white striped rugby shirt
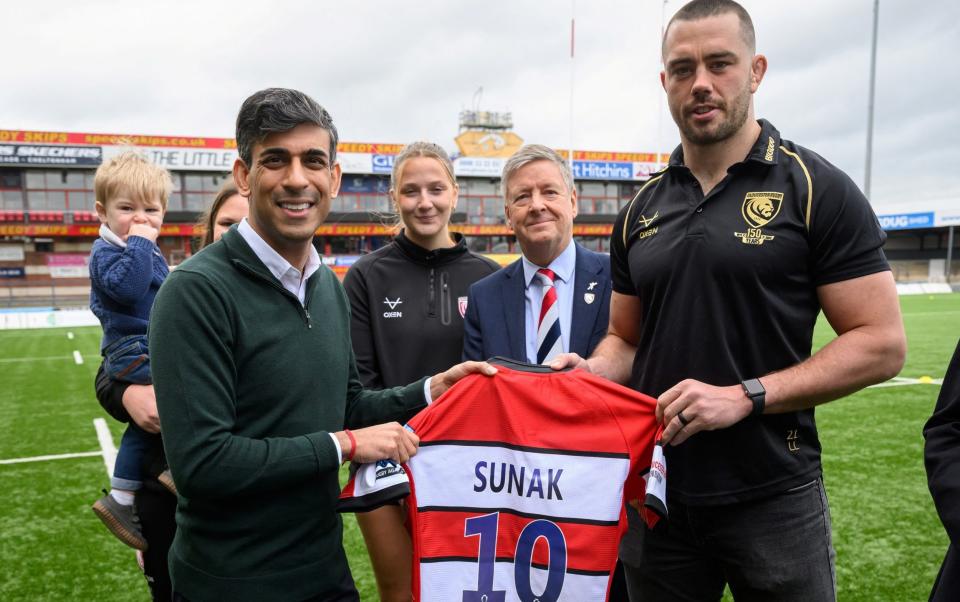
(518, 489)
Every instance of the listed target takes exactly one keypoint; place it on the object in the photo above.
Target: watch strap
(754, 389)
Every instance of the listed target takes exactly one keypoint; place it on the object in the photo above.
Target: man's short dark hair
(701, 9)
(279, 110)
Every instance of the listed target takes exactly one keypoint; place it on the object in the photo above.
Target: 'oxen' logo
(759, 208)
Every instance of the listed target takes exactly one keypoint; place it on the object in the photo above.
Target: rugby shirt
(519, 487)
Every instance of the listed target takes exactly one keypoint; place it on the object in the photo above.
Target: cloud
(395, 72)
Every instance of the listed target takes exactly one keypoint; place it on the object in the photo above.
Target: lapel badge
(589, 297)
(591, 286)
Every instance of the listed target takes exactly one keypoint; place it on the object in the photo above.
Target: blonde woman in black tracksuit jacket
(407, 302)
(407, 306)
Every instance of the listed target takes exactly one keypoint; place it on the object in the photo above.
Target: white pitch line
(77, 357)
(36, 359)
(51, 457)
(902, 381)
(70, 335)
(931, 313)
(109, 450)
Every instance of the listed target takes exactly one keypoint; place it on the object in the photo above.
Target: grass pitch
(888, 538)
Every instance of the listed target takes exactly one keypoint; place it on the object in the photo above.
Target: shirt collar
(274, 262)
(765, 150)
(562, 266)
(109, 236)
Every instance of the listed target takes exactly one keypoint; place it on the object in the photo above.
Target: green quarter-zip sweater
(249, 385)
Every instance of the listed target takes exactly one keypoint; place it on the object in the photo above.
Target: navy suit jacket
(942, 459)
(494, 322)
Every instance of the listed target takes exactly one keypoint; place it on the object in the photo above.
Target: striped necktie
(549, 344)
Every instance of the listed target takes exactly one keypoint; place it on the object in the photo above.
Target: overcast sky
(398, 71)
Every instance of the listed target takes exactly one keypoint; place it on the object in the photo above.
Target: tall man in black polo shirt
(720, 266)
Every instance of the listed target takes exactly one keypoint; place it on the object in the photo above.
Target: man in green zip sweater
(256, 382)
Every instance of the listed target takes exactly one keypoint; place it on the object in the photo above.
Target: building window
(199, 190)
(11, 199)
(175, 202)
(59, 190)
(11, 193)
(600, 244)
(597, 198)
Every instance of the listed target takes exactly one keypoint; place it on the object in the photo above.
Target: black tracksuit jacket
(407, 306)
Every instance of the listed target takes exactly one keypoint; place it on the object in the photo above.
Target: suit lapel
(514, 305)
(584, 316)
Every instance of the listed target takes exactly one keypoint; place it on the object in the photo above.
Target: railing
(46, 294)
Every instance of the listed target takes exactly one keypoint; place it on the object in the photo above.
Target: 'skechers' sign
(50, 154)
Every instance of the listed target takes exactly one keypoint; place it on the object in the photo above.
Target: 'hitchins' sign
(49, 154)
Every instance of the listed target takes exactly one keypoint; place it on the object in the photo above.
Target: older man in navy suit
(554, 299)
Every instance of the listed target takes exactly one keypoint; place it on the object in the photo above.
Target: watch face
(753, 387)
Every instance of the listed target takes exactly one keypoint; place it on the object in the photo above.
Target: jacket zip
(301, 308)
(432, 294)
(445, 298)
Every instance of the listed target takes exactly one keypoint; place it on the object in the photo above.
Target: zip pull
(432, 295)
(446, 310)
(307, 314)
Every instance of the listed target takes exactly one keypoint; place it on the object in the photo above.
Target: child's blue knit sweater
(124, 281)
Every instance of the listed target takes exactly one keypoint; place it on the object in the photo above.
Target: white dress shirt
(564, 266)
(295, 282)
(290, 277)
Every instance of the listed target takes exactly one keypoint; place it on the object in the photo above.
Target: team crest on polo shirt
(462, 306)
(758, 210)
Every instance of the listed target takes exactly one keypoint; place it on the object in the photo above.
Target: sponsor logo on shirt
(770, 148)
(758, 210)
(388, 468)
(393, 313)
(793, 440)
(645, 223)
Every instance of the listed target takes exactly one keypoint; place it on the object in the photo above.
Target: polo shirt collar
(109, 236)
(273, 261)
(562, 266)
(766, 150)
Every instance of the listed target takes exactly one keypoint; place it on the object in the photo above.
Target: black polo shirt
(728, 286)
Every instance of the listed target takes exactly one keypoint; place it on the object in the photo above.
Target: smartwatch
(753, 389)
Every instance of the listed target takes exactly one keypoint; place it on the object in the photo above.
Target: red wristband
(353, 444)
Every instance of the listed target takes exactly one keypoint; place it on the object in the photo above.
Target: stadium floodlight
(870, 101)
(573, 31)
(949, 268)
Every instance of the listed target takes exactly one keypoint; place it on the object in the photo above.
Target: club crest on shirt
(462, 306)
(758, 210)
